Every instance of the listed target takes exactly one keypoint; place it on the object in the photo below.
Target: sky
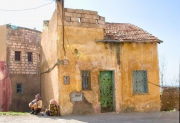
(161, 18)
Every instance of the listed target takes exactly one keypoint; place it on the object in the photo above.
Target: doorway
(106, 91)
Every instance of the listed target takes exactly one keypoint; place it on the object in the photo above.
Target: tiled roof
(125, 32)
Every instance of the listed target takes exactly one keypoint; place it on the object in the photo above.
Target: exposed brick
(86, 12)
(94, 12)
(92, 21)
(84, 20)
(101, 18)
(86, 16)
(67, 18)
(95, 17)
(79, 11)
(74, 19)
(69, 14)
(77, 15)
(70, 10)
(101, 22)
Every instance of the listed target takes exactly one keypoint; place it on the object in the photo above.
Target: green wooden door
(106, 91)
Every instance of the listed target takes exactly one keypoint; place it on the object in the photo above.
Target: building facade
(21, 52)
(110, 65)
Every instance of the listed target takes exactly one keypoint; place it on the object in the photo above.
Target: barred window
(140, 81)
(17, 56)
(29, 56)
(19, 88)
(86, 81)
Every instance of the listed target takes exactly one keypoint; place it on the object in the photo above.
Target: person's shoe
(32, 112)
(35, 113)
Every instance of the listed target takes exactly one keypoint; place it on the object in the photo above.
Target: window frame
(144, 89)
(20, 88)
(87, 78)
(29, 55)
(17, 57)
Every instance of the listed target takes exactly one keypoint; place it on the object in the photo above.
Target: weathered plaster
(49, 81)
(140, 56)
(83, 53)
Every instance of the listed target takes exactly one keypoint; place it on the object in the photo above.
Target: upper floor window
(29, 56)
(86, 81)
(140, 81)
(19, 88)
(17, 56)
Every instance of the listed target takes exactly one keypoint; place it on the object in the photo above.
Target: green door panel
(106, 91)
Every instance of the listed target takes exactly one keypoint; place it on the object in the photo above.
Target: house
(19, 56)
(90, 66)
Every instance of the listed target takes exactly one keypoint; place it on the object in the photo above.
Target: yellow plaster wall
(3, 35)
(96, 57)
(49, 81)
(91, 56)
(140, 56)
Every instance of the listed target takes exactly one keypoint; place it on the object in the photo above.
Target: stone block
(101, 22)
(101, 18)
(67, 18)
(95, 17)
(92, 21)
(86, 16)
(70, 10)
(79, 11)
(84, 20)
(94, 12)
(86, 12)
(77, 15)
(69, 14)
(75, 24)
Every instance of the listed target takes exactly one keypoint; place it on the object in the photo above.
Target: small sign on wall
(66, 80)
(76, 96)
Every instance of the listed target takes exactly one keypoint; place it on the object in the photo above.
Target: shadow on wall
(46, 83)
(30, 87)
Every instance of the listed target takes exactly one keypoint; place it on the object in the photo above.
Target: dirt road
(135, 117)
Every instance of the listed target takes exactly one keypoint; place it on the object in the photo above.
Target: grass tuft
(13, 113)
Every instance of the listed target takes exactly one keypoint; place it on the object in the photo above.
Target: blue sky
(161, 18)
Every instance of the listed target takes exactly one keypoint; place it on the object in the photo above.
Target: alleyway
(136, 117)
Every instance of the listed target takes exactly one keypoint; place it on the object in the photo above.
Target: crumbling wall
(170, 99)
(83, 18)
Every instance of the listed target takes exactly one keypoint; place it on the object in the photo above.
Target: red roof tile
(124, 32)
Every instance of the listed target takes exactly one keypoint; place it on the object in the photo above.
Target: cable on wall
(28, 8)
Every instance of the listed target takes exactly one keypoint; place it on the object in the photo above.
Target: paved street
(135, 117)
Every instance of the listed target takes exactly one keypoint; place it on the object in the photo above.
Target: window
(29, 56)
(140, 83)
(17, 55)
(86, 81)
(19, 88)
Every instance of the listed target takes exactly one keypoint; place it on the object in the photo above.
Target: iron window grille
(86, 81)
(17, 55)
(29, 56)
(19, 88)
(140, 82)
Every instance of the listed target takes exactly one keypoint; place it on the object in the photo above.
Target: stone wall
(170, 99)
(24, 72)
(23, 40)
(84, 18)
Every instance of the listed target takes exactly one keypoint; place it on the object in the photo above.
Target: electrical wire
(28, 8)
